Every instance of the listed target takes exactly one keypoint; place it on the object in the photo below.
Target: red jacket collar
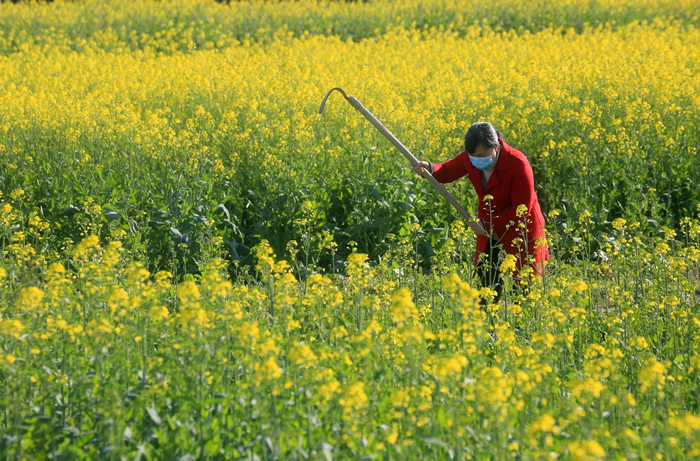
(504, 156)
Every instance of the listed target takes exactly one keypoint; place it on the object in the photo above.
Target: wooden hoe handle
(406, 153)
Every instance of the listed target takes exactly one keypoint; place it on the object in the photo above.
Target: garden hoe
(406, 153)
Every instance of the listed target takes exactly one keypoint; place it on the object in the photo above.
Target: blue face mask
(481, 163)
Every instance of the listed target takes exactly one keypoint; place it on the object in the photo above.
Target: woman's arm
(451, 170)
(448, 172)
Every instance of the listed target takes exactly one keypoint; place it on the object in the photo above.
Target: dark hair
(481, 134)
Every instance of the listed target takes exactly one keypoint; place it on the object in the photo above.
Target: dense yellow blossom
(402, 307)
(30, 298)
(587, 450)
(354, 397)
(653, 374)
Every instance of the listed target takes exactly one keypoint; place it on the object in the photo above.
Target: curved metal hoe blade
(323, 104)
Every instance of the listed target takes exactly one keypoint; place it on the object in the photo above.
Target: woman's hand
(478, 228)
(418, 169)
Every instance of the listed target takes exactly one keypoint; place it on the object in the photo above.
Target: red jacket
(511, 184)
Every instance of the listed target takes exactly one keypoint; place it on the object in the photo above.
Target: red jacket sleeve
(451, 170)
(522, 192)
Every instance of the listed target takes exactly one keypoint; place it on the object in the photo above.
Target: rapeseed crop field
(195, 264)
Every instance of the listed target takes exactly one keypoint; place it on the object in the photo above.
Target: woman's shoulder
(512, 150)
(515, 155)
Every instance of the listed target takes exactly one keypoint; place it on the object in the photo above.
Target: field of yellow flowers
(195, 265)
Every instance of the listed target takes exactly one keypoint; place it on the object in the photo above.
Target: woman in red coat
(509, 213)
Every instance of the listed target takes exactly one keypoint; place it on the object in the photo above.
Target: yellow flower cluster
(187, 25)
(362, 346)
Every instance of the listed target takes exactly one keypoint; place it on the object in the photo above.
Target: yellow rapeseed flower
(393, 435)
(267, 370)
(326, 391)
(29, 298)
(586, 450)
(158, 313)
(188, 292)
(302, 355)
(402, 306)
(12, 327)
(687, 424)
(521, 211)
(508, 264)
(449, 366)
(545, 423)
(354, 398)
(17, 194)
(87, 244)
(587, 386)
(653, 374)
(118, 299)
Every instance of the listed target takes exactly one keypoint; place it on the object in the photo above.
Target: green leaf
(434, 441)
(111, 215)
(154, 415)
